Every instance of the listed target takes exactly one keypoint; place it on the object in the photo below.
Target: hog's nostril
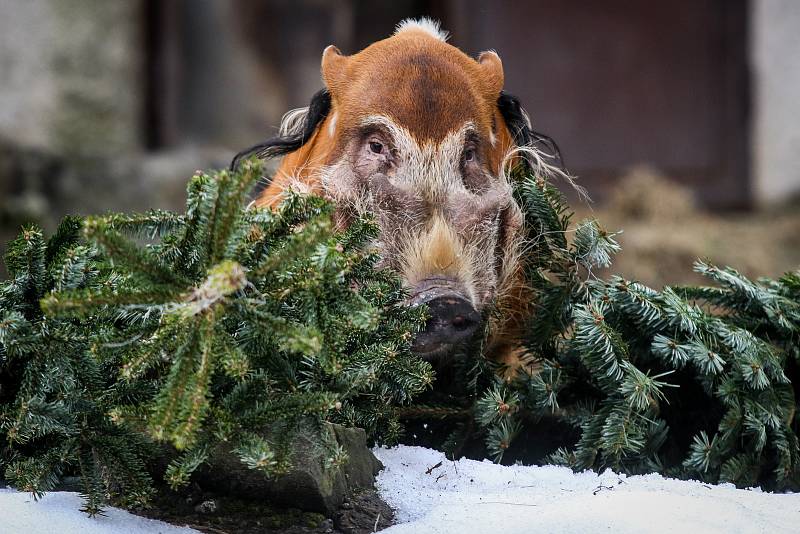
(452, 319)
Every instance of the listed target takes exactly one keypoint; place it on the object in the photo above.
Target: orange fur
(370, 83)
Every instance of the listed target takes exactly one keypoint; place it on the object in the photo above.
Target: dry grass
(664, 232)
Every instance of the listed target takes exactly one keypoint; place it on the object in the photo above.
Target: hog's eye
(376, 147)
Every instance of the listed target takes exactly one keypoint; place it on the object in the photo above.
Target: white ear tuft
(425, 24)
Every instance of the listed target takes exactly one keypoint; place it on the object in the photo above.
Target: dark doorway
(625, 82)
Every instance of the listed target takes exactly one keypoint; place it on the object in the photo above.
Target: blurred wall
(112, 104)
(75, 90)
(624, 83)
(70, 72)
(775, 55)
(70, 109)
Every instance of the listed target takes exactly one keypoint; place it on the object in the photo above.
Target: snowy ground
(434, 495)
(59, 513)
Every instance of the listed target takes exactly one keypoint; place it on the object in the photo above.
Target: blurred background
(681, 117)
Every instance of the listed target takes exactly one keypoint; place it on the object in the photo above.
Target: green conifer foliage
(54, 393)
(234, 327)
(229, 324)
(690, 381)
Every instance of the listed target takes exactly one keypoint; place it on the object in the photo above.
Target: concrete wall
(71, 72)
(72, 110)
(775, 57)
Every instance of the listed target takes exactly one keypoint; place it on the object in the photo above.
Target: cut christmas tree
(125, 339)
(687, 381)
(227, 324)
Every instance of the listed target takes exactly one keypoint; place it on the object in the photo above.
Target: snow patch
(432, 494)
(59, 513)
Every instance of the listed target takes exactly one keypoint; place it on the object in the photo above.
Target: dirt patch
(364, 512)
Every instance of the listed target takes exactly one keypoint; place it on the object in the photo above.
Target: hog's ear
(297, 127)
(492, 70)
(519, 126)
(516, 119)
(334, 69)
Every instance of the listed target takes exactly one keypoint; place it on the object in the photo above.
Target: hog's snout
(452, 319)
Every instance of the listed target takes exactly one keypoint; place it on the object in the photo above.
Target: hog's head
(417, 133)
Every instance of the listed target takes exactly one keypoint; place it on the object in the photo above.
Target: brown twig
(430, 469)
(600, 488)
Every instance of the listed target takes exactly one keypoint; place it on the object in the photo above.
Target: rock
(309, 485)
(207, 507)
(362, 466)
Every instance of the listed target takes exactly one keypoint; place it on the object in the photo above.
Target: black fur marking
(318, 109)
(511, 110)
